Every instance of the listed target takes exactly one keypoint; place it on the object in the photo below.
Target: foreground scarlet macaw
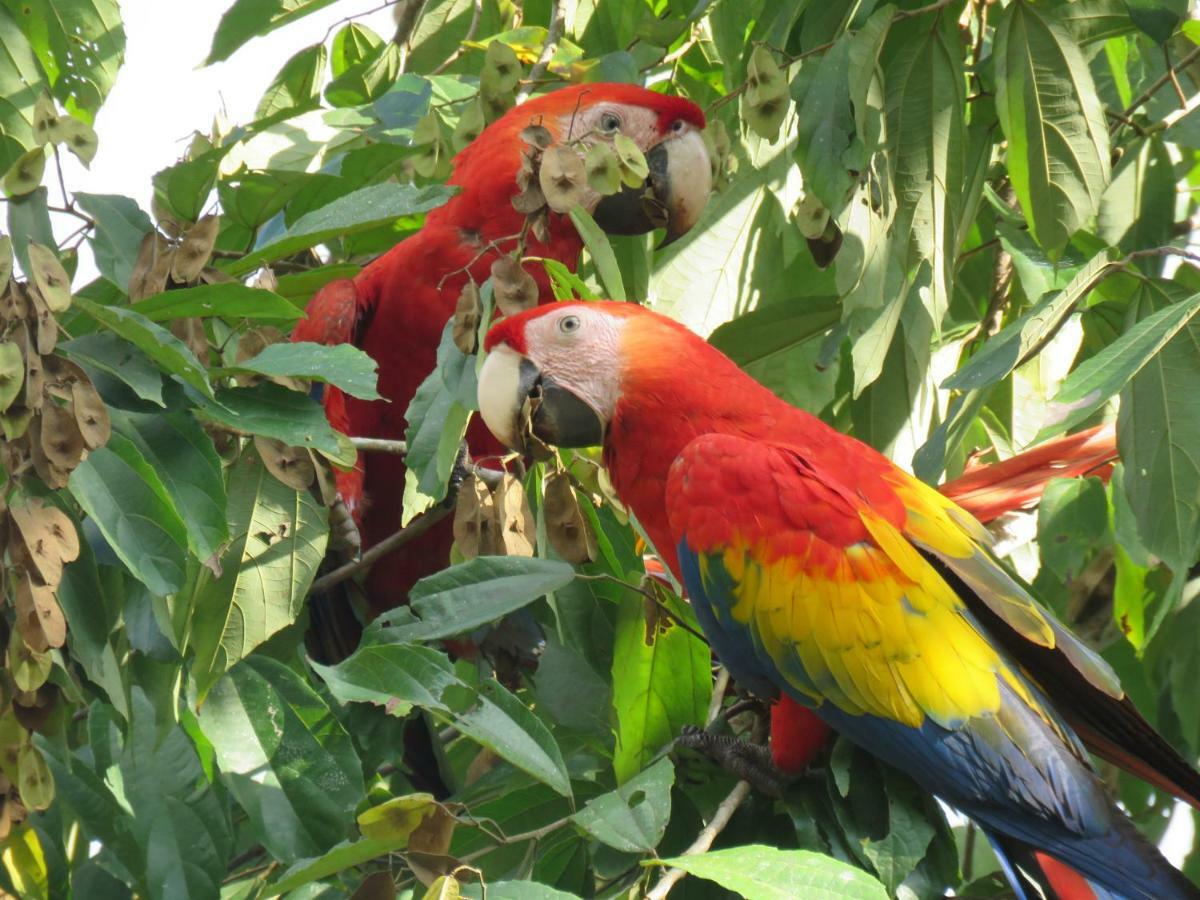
(396, 308)
(819, 569)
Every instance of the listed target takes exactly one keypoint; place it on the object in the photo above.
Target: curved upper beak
(523, 407)
(672, 197)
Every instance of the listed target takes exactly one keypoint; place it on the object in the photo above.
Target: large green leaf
(767, 873)
(277, 412)
(124, 496)
(826, 129)
(183, 456)
(634, 816)
(366, 208)
(401, 676)
(1103, 375)
(248, 19)
(297, 86)
(109, 353)
(601, 252)
(20, 83)
(285, 756)
(230, 299)
(278, 540)
(662, 681)
(342, 365)
(120, 226)
(1058, 156)
(461, 598)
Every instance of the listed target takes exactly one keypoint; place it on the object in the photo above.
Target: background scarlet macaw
(396, 308)
(820, 570)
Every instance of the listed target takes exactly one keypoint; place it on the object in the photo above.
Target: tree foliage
(950, 229)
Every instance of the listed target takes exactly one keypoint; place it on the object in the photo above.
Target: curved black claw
(743, 759)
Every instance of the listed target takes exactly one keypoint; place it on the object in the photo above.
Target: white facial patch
(582, 355)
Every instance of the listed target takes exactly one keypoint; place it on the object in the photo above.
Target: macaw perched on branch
(396, 308)
(820, 570)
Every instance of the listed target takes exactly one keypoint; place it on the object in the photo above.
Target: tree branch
(558, 19)
(414, 529)
(1158, 83)
(705, 839)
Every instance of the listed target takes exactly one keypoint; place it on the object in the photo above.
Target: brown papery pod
(195, 249)
(90, 414)
(514, 520)
(151, 268)
(466, 318)
(475, 528)
(562, 177)
(39, 617)
(54, 476)
(51, 278)
(12, 373)
(35, 369)
(47, 539)
(291, 465)
(62, 440)
(513, 288)
(45, 327)
(13, 305)
(567, 529)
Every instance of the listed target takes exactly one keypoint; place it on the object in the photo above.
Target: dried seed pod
(634, 168)
(191, 332)
(562, 178)
(78, 137)
(13, 305)
(470, 125)
(6, 261)
(29, 666)
(513, 288)
(766, 100)
(15, 421)
(151, 268)
(48, 539)
(539, 224)
(45, 327)
(536, 135)
(25, 175)
(811, 216)
(50, 277)
(326, 487)
(45, 118)
(603, 169)
(569, 532)
(33, 710)
(90, 414)
(54, 476)
(344, 535)
(61, 438)
(516, 531)
(427, 134)
(266, 279)
(12, 373)
(35, 783)
(35, 369)
(291, 465)
(475, 519)
(534, 446)
(39, 617)
(466, 318)
(501, 69)
(529, 200)
(195, 249)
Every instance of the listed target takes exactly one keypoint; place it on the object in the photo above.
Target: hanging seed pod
(634, 168)
(29, 667)
(291, 465)
(562, 178)
(51, 278)
(516, 530)
(90, 414)
(45, 118)
(427, 134)
(39, 617)
(513, 288)
(15, 421)
(32, 711)
(25, 175)
(498, 80)
(195, 249)
(766, 100)
(62, 441)
(45, 327)
(475, 519)
(191, 332)
(344, 536)
(6, 263)
(45, 539)
(470, 125)
(35, 370)
(151, 268)
(78, 137)
(35, 783)
(603, 169)
(54, 476)
(12, 373)
(529, 199)
(536, 135)
(466, 318)
(567, 529)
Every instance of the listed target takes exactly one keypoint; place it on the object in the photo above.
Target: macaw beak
(516, 400)
(672, 197)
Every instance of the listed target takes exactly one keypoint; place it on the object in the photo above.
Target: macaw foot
(743, 759)
(344, 537)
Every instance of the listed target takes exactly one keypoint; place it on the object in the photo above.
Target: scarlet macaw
(396, 308)
(820, 570)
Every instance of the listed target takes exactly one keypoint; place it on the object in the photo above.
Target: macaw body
(397, 307)
(821, 571)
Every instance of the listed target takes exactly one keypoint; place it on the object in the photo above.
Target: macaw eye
(610, 123)
(677, 126)
(569, 324)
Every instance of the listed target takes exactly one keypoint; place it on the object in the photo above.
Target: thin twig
(1174, 77)
(1158, 83)
(718, 696)
(649, 595)
(380, 8)
(415, 528)
(534, 835)
(558, 18)
(379, 445)
(476, 12)
(705, 839)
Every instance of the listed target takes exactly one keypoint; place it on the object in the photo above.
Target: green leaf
(278, 540)
(184, 458)
(437, 420)
(1158, 433)
(285, 757)
(369, 207)
(20, 84)
(120, 226)
(168, 352)
(464, 597)
(345, 855)
(297, 86)
(29, 221)
(80, 45)
(1072, 520)
(826, 129)
(368, 79)
(767, 873)
(1019, 341)
(109, 353)
(516, 890)
(248, 19)
(277, 412)
(775, 329)
(658, 687)
(229, 299)
(1058, 155)
(1143, 185)
(1100, 377)
(124, 496)
(401, 676)
(342, 365)
(602, 254)
(634, 817)
(184, 188)
(1096, 20)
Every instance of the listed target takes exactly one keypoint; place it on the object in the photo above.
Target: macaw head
(562, 371)
(666, 129)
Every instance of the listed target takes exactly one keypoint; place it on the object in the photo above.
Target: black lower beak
(637, 210)
(557, 417)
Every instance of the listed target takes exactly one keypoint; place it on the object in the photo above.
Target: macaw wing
(801, 585)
